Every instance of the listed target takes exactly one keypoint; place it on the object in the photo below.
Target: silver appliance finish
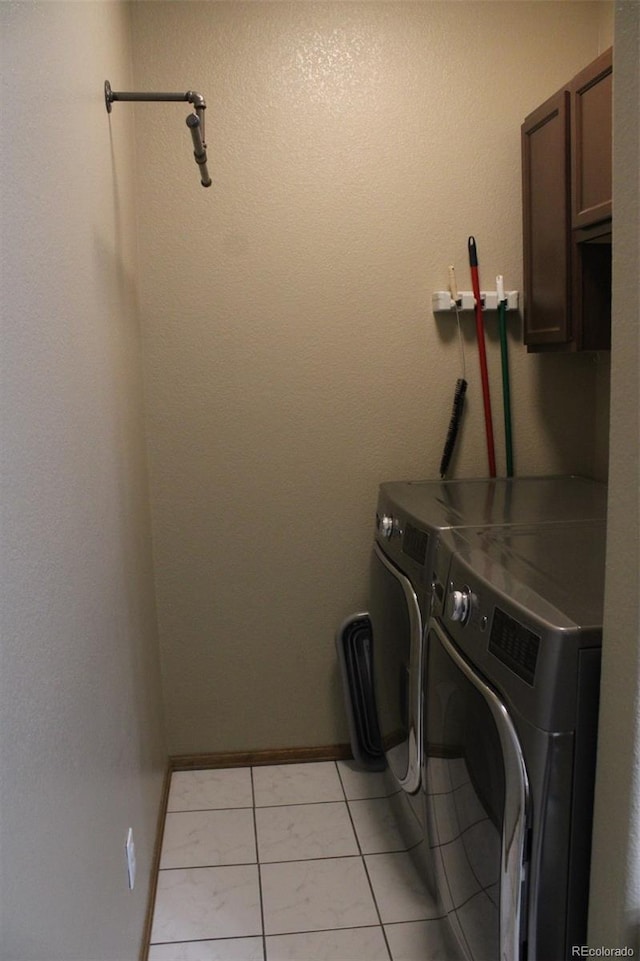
(411, 519)
(511, 695)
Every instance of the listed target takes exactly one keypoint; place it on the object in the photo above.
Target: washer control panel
(474, 618)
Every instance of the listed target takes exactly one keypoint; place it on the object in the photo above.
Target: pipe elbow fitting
(192, 96)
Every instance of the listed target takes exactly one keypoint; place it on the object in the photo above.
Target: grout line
(288, 804)
(240, 807)
(259, 863)
(373, 797)
(255, 834)
(323, 857)
(375, 901)
(232, 937)
(280, 934)
(341, 782)
(351, 927)
(442, 844)
(369, 797)
(373, 894)
(210, 867)
(357, 927)
(248, 864)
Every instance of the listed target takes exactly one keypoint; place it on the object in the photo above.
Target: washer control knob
(460, 605)
(385, 526)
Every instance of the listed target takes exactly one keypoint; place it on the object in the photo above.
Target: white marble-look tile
(459, 772)
(362, 784)
(208, 838)
(443, 775)
(316, 896)
(444, 819)
(348, 944)
(207, 903)
(494, 893)
(441, 886)
(297, 783)
(400, 892)
(398, 756)
(463, 883)
(483, 844)
(377, 826)
(224, 949)
(304, 831)
(469, 808)
(479, 920)
(209, 790)
(410, 810)
(437, 775)
(421, 941)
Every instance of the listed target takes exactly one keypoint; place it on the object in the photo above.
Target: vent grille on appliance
(514, 645)
(415, 543)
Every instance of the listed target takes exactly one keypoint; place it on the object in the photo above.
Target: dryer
(511, 693)
(411, 519)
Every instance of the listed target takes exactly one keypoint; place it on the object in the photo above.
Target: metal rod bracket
(195, 121)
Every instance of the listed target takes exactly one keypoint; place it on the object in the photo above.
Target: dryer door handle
(411, 781)
(516, 803)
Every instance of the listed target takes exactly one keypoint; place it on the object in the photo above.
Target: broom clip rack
(442, 301)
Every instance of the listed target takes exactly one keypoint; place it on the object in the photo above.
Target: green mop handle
(506, 392)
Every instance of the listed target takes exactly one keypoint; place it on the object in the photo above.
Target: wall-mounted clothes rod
(195, 121)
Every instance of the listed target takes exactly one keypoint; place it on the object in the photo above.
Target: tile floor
(294, 862)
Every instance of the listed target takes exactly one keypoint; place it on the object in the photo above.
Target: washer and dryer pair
(485, 612)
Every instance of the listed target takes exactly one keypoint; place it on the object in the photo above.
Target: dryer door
(477, 800)
(396, 627)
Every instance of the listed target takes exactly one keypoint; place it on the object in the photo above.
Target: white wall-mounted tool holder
(442, 301)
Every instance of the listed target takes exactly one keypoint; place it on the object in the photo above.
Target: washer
(411, 519)
(511, 692)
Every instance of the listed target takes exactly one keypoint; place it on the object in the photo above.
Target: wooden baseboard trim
(289, 755)
(155, 863)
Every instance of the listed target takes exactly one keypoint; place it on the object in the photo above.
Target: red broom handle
(482, 354)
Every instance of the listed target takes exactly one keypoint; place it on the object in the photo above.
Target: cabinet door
(546, 219)
(591, 138)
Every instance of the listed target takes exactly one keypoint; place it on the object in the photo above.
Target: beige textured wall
(615, 885)
(82, 751)
(292, 361)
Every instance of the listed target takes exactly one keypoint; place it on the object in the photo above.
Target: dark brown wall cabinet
(566, 171)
